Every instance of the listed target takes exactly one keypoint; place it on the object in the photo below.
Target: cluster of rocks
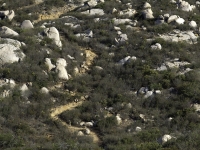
(126, 59)
(7, 14)
(147, 93)
(180, 36)
(175, 63)
(59, 67)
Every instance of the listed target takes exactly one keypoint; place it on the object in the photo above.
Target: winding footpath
(55, 112)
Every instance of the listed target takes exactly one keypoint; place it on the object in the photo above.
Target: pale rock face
(166, 138)
(4, 31)
(53, 34)
(49, 64)
(60, 69)
(27, 24)
(192, 24)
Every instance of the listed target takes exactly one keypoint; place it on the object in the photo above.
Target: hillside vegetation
(99, 75)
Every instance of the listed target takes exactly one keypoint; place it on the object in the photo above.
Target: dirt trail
(55, 13)
(55, 112)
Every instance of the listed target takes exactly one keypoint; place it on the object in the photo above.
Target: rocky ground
(99, 74)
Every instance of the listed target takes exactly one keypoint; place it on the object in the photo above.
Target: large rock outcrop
(10, 51)
(5, 31)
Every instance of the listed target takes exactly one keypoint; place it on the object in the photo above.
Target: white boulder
(27, 24)
(60, 69)
(53, 34)
(180, 21)
(166, 138)
(192, 24)
(5, 31)
(44, 90)
(49, 64)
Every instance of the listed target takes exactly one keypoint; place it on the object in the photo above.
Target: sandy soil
(55, 112)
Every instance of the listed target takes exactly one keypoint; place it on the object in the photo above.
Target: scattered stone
(27, 24)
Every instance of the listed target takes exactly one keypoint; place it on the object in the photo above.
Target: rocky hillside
(99, 75)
